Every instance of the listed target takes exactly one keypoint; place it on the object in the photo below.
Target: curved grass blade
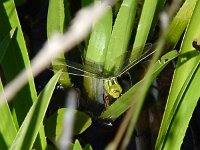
(167, 128)
(29, 129)
(8, 130)
(180, 77)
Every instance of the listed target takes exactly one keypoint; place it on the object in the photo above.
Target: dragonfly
(111, 84)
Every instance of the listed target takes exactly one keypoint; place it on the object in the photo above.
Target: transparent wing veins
(91, 71)
(146, 54)
(78, 69)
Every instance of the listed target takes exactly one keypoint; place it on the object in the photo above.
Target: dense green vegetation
(33, 119)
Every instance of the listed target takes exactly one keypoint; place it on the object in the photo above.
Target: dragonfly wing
(77, 69)
(148, 50)
(72, 71)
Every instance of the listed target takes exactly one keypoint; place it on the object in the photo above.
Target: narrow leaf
(56, 23)
(31, 125)
(7, 127)
(121, 34)
(181, 78)
(144, 26)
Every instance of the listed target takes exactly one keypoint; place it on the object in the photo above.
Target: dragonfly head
(113, 88)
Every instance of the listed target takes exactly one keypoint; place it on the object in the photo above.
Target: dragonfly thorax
(112, 87)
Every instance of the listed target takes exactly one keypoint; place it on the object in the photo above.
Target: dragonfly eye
(113, 88)
(115, 91)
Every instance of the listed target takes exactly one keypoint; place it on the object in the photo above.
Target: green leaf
(56, 17)
(5, 42)
(31, 125)
(96, 52)
(144, 26)
(125, 101)
(179, 23)
(77, 145)
(7, 127)
(88, 147)
(178, 110)
(159, 9)
(179, 124)
(54, 124)
(56, 23)
(99, 39)
(175, 116)
(121, 34)
(15, 59)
